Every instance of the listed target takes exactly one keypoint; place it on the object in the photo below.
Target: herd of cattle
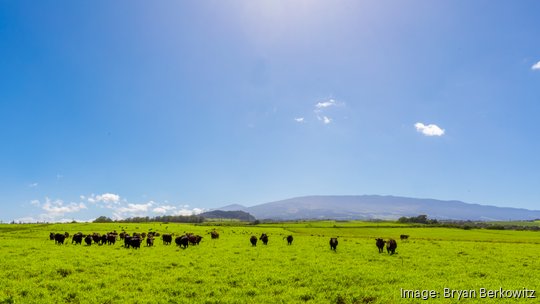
(135, 240)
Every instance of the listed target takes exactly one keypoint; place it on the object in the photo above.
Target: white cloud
(135, 208)
(322, 108)
(185, 211)
(326, 104)
(164, 209)
(299, 119)
(58, 208)
(33, 185)
(429, 130)
(325, 119)
(106, 198)
(536, 66)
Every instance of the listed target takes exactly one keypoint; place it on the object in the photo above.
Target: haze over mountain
(379, 207)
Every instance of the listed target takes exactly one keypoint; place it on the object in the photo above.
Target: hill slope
(381, 207)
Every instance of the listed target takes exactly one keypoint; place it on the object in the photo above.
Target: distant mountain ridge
(367, 207)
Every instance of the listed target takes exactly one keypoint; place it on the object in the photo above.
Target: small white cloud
(35, 203)
(326, 120)
(429, 130)
(536, 66)
(33, 185)
(299, 119)
(325, 104)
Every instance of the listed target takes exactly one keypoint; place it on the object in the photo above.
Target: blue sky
(128, 108)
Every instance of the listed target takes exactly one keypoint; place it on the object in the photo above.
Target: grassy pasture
(229, 270)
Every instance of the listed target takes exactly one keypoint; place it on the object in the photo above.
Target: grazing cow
(96, 237)
(111, 239)
(253, 240)
(380, 244)
(135, 242)
(333, 243)
(182, 241)
(214, 234)
(150, 241)
(194, 239)
(77, 238)
(88, 240)
(404, 237)
(59, 238)
(167, 239)
(104, 239)
(391, 246)
(51, 236)
(289, 239)
(66, 234)
(122, 235)
(127, 240)
(264, 238)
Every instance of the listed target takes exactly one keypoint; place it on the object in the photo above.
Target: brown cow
(214, 234)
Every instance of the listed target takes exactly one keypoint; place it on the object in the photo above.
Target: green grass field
(230, 270)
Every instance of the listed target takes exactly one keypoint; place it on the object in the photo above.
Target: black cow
(380, 244)
(253, 240)
(96, 237)
(103, 239)
(182, 241)
(264, 238)
(333, 243)
(111, 239)
(127, 240)
(135, 242)
(391, 246)
(77, 238)
(66, 234)
(59, 238)
(51, 236)
(88, 240)
(404, 237)
(150, 241)
(214, 234)
(289, 239)
(167, 239)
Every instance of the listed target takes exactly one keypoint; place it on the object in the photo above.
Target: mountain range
(367, 207)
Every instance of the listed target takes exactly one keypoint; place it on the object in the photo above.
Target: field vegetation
(230, 270)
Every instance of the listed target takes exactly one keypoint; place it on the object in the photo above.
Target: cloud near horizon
(429, 130)
(56, 210)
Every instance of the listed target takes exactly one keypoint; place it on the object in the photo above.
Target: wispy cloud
(326, 104)
(429, 130)
(33, 185)
(299, 119)
(322, 107)
(536, 66)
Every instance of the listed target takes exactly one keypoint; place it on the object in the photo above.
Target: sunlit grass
(230, 270)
